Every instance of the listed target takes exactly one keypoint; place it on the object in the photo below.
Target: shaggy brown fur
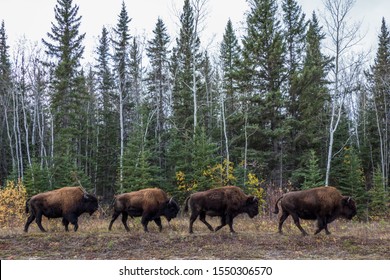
(226, 202)
(149, 203)
(324, 204)
(67, 203)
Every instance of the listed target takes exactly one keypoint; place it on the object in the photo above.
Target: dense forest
(274, 109)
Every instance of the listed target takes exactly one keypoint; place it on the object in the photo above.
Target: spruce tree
(312, 174)
(64, 45)
(352, 182)
(311, 111)
(230, 99)
(379, 198)
(121, 46)
(139, 170)
(185, 59)
(379, 104)
(158, 79)
(135, 78)
(295, 27)
(230, 54)
(107, 153)
(7, 158)
(262, 77)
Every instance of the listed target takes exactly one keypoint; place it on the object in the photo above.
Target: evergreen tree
(295, 33)
(158, 86)
(139, 171)
(64, 44)
(378, 195)
(7, 158)
(379, 103)
(262, 77)
(121, 45)
(230, 54)
(231, 112)
(312, 175)
(135, 76)
(207, 96)
(107, 153)
(186, 61)
(311, 111)
(295, 27)
(352, 180)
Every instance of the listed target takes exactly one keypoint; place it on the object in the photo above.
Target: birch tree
(343, 37)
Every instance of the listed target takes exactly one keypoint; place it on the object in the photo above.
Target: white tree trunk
(121, 124)
(225, 135)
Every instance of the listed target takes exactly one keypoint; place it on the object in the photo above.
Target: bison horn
(170, 201)
(349, 198)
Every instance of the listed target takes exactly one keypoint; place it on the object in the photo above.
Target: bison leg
(298, 224)
(193, 217)
(158, 223)
(65, 222)
(322, 224)
(124, 220)
(326, 229)
(223, 223)
(114, 217)
(74, 221)
(202, 217)
(38, 220)
(30, 219)
(230, 222)
(281, 220)
(145, 222)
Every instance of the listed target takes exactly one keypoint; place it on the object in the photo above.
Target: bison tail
(27, 206)
(276, 211)
(186, 204)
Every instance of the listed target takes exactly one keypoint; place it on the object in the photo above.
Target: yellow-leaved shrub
(12, 203)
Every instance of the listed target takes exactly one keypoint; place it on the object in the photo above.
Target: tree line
(288, 105)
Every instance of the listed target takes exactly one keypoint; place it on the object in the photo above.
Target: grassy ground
(255, 239)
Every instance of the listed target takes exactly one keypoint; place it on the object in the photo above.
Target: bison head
(171, 209)
(348, 207)
(90, 203)
(251, 206)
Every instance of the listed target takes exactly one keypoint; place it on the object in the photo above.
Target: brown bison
(150, 203)
(324, 204)
(67, 203)
(225, 202)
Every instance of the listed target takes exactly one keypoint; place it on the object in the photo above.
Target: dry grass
(255, 239)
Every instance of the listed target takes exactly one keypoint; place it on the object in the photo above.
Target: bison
(225, 202)
(324, 204)
(151, 204)
(68, 203)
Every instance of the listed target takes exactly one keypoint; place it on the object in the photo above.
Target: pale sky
(32, 18)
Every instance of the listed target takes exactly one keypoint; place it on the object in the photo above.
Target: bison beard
(150, 203)
(67, 203)
(226, 202)
(324, 204)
